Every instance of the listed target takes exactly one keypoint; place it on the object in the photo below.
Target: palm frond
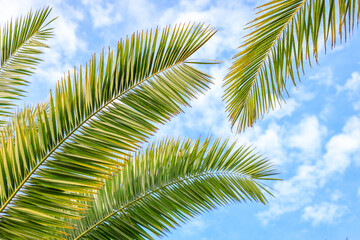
(95, 119)
(171, 182)
(285, 34)
(21, 42)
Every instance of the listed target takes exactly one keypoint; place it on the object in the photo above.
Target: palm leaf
(21, 42)
(170, 182)
(285, 34)
(95, 119)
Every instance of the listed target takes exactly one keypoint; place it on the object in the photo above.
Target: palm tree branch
(171, 165)
(152, 192)
(282, 37)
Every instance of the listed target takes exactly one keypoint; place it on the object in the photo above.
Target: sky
(314, 138)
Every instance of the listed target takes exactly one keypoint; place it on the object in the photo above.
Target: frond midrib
(209, 173)
(77, 127)
(271, 47)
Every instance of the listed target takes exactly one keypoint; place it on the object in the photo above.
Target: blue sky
(314, 139)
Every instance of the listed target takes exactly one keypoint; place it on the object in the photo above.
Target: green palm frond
(171, 182)
(285, 34)
(21, 42)
(96, 117)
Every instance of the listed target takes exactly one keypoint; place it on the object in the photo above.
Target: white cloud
(13, 9)
(352, 88)
(278, 141)
(302, 94)
(323, 213)
(356, 105)
(342, 148)
(269, 141)
(286, 109)
(298, 191)
(307, 136)
(336, 195)
(142, 13)
(323, 76)
(102, 13)
(327, 110)
(352, 85)
(194, 227)
(66, 28)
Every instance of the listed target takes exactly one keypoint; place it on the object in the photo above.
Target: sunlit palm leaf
(21, 42)
(171, 182)
(96, 118)
(284, 35)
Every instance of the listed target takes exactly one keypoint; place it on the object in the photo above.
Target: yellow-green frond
(284, 35)
(171, 182)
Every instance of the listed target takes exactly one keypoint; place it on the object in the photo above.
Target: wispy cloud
(195, 227)
(307, 136)
(352, 85)
(324, 213)
(102, 13)
(323, 76)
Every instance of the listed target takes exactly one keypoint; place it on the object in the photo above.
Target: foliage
(62, 161)
(284, 35)
(170, 182)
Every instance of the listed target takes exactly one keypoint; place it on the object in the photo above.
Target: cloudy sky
(314, 139)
